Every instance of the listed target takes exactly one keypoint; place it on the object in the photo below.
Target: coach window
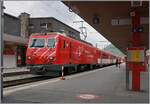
(51, 43)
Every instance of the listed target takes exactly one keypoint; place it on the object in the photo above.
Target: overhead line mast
(82, 28)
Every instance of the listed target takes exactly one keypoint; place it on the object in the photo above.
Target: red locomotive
(47, 53)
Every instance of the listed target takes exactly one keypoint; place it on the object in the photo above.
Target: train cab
(41, 50)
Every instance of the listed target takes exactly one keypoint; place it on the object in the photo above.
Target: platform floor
(17, 69)
(105, 85)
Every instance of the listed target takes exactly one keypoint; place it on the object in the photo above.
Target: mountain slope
(111, 48)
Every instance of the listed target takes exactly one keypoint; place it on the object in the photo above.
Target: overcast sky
(53, 9)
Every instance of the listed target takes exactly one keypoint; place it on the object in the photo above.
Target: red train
(47, 53)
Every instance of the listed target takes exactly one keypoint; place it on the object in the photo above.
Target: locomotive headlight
(51, 58)
(29, 57)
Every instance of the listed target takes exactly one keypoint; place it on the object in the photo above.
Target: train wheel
(71, 70)
(79, 68)
(66, 70)
(34, 72)
(91, 67)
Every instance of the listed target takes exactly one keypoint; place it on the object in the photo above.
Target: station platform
(15, 69)
(104, 85)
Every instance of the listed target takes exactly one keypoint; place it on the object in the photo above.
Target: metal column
(1, 49)
(136, 52)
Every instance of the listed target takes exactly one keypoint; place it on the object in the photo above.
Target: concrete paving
(18, 77)
(16, 69)
(105, 85)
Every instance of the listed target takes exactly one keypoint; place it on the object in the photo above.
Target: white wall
(9, 61)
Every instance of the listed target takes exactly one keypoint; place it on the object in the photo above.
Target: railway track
(15, 73)
(23, 81)
(21, 77)
(17, 78)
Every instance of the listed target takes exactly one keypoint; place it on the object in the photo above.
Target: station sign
(136, 3)
(135, 54)
(128, 21)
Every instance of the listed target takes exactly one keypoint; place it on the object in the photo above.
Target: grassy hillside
(111, 48)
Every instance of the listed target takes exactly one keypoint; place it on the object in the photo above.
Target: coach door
(70, 53)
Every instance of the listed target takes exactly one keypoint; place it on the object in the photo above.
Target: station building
(18, 29)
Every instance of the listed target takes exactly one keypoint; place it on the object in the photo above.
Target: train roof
(58, 33)
(47, 33)
(111, 54)
(86, 42)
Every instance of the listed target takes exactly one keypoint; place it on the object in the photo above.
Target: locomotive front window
(51, 43)
(39, 43)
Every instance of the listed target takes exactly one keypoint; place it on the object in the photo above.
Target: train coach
(46, 54)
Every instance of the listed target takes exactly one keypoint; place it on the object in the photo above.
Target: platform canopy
(112, 19)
